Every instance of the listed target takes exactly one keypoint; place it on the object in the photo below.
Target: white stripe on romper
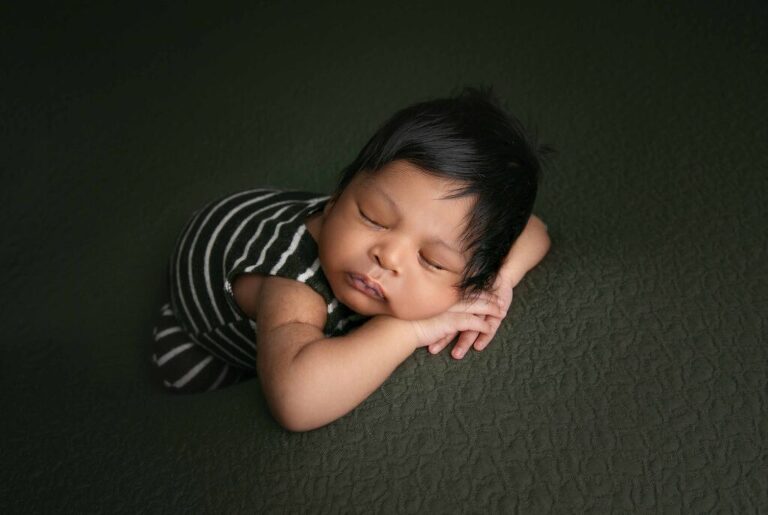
(174, 352)
(192, 373)
(216, 345)
(251, 344)
(258, 230)
(274, 235)
(255, 237)
(304, 277)
(207, 256)
(342, 323)
(220, 378)
(180, 290)
(234, 238)
(234, 358)
(290, 250)
(212, 241)
(295, 241)
(244, 345)
(245, 352)
(168, 331)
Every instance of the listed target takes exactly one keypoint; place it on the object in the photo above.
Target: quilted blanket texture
(630, 374)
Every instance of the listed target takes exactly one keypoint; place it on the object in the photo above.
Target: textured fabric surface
(630, 375)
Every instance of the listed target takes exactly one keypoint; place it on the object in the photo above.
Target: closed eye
(363, 215)
(430, 264)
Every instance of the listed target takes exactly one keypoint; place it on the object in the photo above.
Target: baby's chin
(389, 308)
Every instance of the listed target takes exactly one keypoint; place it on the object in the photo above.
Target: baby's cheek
(339, 244)
(348, 239)
(423, 304)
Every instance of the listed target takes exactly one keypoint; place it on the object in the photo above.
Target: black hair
(468, 138)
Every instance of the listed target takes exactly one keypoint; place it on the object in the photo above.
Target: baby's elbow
(290, 420)
(291, 424)
(292, 395)
(547, 241)
(290, 412)
(542, 232)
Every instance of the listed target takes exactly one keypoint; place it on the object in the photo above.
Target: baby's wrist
(401, 331)
(509, 276)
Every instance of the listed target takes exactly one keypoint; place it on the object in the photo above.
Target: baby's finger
(440, 344)
(484, 339)
(470, 322)
(484, 305)
(465, 342)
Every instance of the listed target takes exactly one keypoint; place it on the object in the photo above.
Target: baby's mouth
(366, 286)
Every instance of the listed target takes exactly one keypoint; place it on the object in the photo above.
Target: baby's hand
(476, 316)
(480, 339)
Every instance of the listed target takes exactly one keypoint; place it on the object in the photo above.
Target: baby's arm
(528, 250)
(310, 380)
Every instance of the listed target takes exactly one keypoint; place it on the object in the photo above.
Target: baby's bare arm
(310, 380)
(528, 250)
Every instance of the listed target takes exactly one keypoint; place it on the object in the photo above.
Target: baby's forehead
(418, 189)
(403, 171)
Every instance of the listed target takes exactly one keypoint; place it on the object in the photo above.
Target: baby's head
(430, 207)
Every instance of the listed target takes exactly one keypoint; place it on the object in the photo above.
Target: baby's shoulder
(278, 300)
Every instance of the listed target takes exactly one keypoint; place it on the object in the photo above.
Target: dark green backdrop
(630, 375)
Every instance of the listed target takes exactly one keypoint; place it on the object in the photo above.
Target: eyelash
(435, 267)
(368, 220)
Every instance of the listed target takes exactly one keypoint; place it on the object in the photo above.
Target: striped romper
(202, 340)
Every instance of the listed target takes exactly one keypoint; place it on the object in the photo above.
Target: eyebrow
(396, 209)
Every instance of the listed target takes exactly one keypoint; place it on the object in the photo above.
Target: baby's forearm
(528, 250)
(329, 377)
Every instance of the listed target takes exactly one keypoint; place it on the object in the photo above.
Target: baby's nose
(387, 259)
